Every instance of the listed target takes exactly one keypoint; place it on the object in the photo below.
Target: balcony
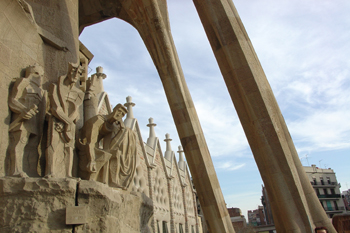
(323, 184)
(333, 196)
(337, 209)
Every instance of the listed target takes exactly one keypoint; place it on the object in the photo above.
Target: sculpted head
(75, 71)
(118, 113)
(35, 73)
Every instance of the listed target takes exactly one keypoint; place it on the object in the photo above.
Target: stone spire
(168, 151)
(181, 163)
(152, 135)
(130, 115)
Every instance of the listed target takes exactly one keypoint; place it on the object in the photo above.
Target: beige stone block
(76, 215)
(113, 210)
(42, 2)
(35, 204)
(5, 3)
(5, 54)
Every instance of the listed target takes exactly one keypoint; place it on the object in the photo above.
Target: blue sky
(303, 47)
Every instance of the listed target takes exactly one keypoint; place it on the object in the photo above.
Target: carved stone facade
(110, 152)
(47, 33)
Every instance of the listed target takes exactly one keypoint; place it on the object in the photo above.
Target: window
(336, 205)
(329, 206)
(325, 191)
(332, 192)
(165, 227)
(180, 228)
(328, 180)
(158, 229)
(192, 229)
(321, 178)
(322, 204)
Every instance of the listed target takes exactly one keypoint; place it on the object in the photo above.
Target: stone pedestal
(39, 205)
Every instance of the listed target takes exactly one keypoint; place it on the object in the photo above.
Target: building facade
(346, 199)
(327, 189)
(267, 207)
(256, 217)
(238, 220)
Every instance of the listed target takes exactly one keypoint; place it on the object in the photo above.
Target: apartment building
(327, 189)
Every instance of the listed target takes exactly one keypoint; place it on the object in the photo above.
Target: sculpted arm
(16, 93)
(73, 116)
(56, 108)
(14, 103)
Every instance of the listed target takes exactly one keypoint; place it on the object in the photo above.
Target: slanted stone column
(294, 203)
(150, 18)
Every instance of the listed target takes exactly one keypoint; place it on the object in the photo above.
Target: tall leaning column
(150, 18)
(294, 204)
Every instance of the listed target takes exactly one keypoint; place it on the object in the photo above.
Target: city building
(237, 218)
(256, 217)
(267, 207)
(346, 199)
(327, 189)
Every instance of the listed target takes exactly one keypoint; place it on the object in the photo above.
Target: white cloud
(230, 166)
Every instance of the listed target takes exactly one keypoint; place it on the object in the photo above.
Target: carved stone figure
(28, 104)
(107, 150)
(65, 99)
(123, 161)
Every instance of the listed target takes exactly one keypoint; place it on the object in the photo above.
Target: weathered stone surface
(42, 32)
(39, 205)
(65, 100)
(113, 210)
(35, 204)
(27, 101)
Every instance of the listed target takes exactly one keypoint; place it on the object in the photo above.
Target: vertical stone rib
(150, 190)
(294, 204)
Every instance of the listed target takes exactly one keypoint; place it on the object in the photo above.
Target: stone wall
(169, 186)
(34, 31)
(46, 33)
(39, 205)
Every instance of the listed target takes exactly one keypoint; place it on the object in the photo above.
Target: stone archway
(294, 202)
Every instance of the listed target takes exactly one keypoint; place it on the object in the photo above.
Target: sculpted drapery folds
(27, 102)
(107, 150)
(65, 99)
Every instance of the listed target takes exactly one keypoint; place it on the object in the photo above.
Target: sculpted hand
(91, 167)
(31, 112)
(87, 96)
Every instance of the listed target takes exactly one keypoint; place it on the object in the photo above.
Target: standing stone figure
(65, 99)
(28, 103)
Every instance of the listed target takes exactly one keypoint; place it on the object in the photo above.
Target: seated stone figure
(107, 150)
(27, 102)
(65, 99)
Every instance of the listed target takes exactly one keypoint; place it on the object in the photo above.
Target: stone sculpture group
(106, 148)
